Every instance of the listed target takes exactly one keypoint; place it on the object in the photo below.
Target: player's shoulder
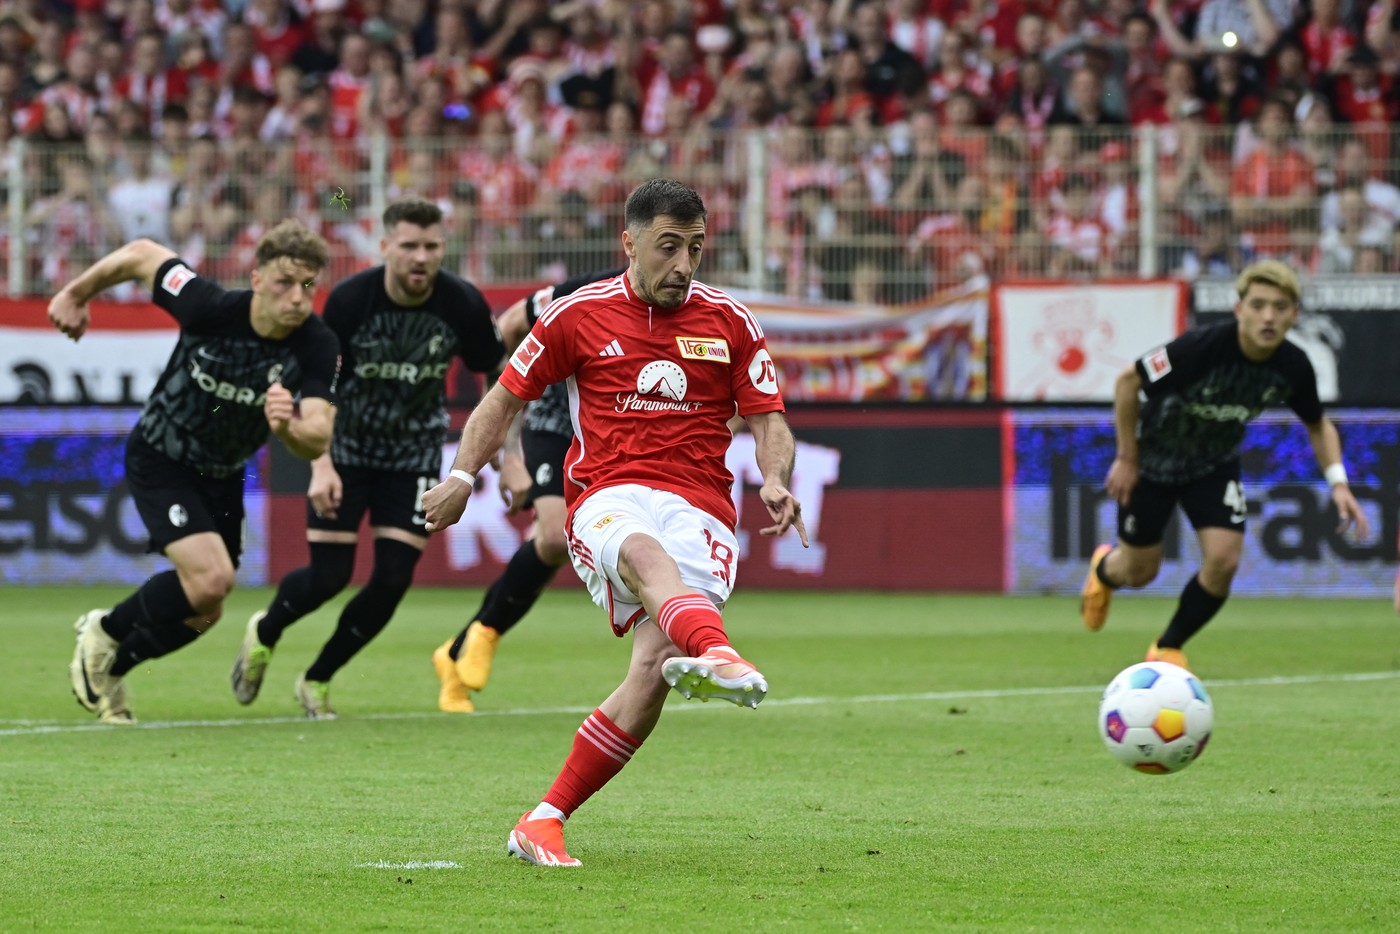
(585, 301)
(359, 284)
(452, 283)
(728, 307)
(1292, 355)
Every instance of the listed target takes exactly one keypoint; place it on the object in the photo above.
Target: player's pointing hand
(785, 510)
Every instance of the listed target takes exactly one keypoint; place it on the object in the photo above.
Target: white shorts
(703, 547)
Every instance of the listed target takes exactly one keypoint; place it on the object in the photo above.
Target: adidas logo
(612, 350)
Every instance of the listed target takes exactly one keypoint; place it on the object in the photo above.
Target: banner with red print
(1068, 342)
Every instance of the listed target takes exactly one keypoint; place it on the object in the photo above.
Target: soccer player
(1183, 446)
(242, 360)
(400, 324)
(532, 475)
(656, 363)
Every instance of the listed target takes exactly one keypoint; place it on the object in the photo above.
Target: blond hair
(296, 242)
(1270, 272)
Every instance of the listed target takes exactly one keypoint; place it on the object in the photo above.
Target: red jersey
(650, 389)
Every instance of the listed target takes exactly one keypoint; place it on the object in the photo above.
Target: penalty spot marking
(38, 727)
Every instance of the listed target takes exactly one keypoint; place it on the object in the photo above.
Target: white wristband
(468, 478)
(1335, 474)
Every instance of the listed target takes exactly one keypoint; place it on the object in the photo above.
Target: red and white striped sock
(600, 751)
(693, 623)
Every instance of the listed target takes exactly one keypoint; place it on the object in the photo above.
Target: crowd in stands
(906, 144)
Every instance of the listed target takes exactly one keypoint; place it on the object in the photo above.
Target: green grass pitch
(921, 763)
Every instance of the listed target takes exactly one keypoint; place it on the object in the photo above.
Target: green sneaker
(315, 698)
(251, 663)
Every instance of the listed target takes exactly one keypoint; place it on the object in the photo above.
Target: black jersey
(1201, 390)
(206, 410)
(393, 398)
(550, 412)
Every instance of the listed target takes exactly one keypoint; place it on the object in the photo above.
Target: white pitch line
(426, 864)
(41, 727)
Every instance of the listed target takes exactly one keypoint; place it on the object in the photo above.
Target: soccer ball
(1155, 717)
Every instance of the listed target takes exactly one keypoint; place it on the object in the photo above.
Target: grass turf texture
(892, 781)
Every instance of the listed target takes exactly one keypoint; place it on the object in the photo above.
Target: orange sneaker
(478, 651)
(452, 696)
(1170, 656)
(1094, 596)
(718, 673)
(540, 841)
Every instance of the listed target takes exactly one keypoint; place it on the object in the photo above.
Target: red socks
(692, 623)
(600, 751)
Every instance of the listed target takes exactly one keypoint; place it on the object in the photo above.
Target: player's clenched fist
(277, 407)
(69, 315)
(444, 504)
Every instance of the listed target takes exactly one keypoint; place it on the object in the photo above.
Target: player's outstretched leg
(90, 671)
(712, 668)
(718, 673)
(251, 664)
(1095, 595)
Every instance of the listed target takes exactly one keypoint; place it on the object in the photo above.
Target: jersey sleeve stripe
(604, 289)
(716, 297)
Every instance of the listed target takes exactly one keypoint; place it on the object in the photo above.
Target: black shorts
(544, 453)
(1213, 501)
(393, 498)
(176, 501)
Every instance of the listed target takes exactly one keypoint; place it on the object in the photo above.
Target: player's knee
(1140, 574)
(208, 588)
(332, 564)
(1220, 568)
(394, 562)
(552, 547)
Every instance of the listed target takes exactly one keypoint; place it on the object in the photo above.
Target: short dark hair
(417, 211)
(660, 197)
(294, 241)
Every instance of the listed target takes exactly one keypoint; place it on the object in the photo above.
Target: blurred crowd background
(872, 151)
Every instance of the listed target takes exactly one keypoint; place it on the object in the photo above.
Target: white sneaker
(93, 654)
(114, 709)
(251, 663)
(717, 673)
(315, 698)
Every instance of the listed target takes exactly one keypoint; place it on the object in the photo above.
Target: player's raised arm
(1327, 448)
(775, 450)
(137, 260)
(482, 437)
